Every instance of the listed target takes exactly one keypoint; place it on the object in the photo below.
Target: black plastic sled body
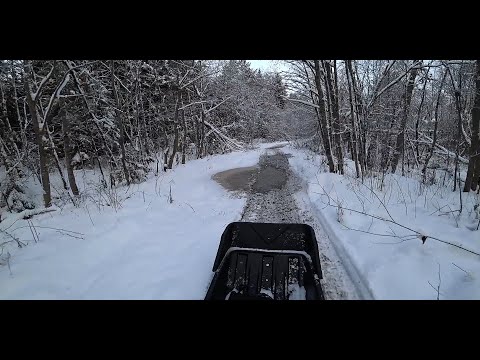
(266, 261)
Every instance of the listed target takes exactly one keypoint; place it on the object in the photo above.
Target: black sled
(266, 261)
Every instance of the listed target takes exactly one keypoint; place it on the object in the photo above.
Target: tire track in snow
(338, 283)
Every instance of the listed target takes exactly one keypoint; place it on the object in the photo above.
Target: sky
(265, 65)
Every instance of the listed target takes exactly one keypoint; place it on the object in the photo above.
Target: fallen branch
(231, 143)
(466, 272)
(51, 228)
(20, 244)
(445, 150)
(190, 207)
(403, 238)
(28, 214)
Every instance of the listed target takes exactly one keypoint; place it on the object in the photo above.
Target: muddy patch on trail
(238, 179)
(270, 199)
(269, 178)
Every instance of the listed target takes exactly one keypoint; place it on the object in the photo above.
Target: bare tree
(39, 125)
(322, 118)
(473, 172)
(67, 147)
(332, 90)
(353, 126)
(407, 98)
(118, 116)
(434, 142)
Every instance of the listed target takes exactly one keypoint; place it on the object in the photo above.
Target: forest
(122, 116)
(115, 164)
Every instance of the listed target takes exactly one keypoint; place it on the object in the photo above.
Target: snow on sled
(266, 261)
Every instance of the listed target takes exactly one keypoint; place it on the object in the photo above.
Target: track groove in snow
(341, 280)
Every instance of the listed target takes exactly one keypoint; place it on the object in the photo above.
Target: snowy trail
(278, 195)
(154, 248)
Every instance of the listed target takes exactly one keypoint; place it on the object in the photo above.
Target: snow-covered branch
(42, 82)
(301, 102)
(444, 150)
(393, 82)
(220, 103)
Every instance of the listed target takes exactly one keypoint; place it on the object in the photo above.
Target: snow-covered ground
(395, 264)
(146, 248)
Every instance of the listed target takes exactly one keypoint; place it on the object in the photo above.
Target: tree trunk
(41, 141)
(322, 118)
(353, 132)
(55, 156)
(118, 117)
(138, 126)
(17, 108)
(361, 135)
(386, 154)
(459, 135)
(197, 135)
(336, 119)
(144, 125)
(11, 135)
(400, 144)
(175, 141)
(476, 172)
(417, 154)
(184, 140)
(175, 147)
(473, 173)
(202, 135)
(332, 94)
(67, 148)
(328, 97)
(434, 142)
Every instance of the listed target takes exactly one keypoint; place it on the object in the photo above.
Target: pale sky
(265, 65)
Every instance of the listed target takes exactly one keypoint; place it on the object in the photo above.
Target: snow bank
(394, 264)
(146, 248)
